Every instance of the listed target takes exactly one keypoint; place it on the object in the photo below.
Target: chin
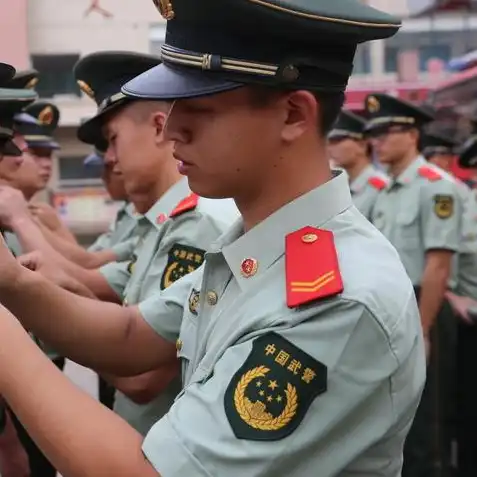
(208, 190)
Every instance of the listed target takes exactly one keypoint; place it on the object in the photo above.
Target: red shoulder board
(377, 182)
(189, 203)
(430, 174)
(311, 266)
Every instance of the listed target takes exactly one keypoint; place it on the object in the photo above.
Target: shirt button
(212, 298)
(179, 344)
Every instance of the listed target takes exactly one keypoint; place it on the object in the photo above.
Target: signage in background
(85, 211)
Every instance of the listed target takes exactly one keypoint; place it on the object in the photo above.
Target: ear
(302, 114)
(159, 121)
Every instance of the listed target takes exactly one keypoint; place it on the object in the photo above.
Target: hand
(46, 214)
(12, 206)
(461, 305)
(36, 262)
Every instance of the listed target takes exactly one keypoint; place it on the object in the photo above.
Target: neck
(357, 168)
(166, 178)
(28, 194)
(398, 167)
(283, 183)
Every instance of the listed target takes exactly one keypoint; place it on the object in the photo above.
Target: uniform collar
(411, 172)
(265, 243)
(360, 182)
(168, 202)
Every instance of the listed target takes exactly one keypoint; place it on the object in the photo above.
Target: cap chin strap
(166, 122)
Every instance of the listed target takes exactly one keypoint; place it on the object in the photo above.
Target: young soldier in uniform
(464, 302)
(13, 458)
(350, 151)
(420, 212)
(176, 229)
(299, 338)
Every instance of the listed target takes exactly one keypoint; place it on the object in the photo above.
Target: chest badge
(194, 300)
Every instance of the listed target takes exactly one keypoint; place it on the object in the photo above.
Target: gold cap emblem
(372, 104)
(165, 9)
(46, 115)
(86, 88)
(32, 83)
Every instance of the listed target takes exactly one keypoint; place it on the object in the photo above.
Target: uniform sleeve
(441, 216)
(182, 248)
(300, 401)
(164, 310)
(101, 243)
(117, 275)
(125, 249)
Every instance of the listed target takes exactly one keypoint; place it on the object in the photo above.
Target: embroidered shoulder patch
(182, 259)
(444, 206)
(270, 394)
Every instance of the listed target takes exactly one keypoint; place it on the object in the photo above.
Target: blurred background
(432, 60)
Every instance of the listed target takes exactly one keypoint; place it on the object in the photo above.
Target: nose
(110, 156)
(175, 127)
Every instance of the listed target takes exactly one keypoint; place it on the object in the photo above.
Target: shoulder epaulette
(189, 203)
(430, 174)
(311, 266)
(377, 182)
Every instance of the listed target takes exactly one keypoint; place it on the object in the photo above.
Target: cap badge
(46, 115)
(32, 83)
(165, 9)
(86, 88)
(373, 104)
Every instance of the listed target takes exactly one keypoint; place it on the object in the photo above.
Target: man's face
(132, 148)
(345, 152)
(444, 161)
(114, 182)
(44, 160)
(392, 144)
(10, 164)
(224, 143)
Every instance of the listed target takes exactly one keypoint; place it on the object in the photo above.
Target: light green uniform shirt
(325, 389)
(120, 237)
(417, 215)
(364, 191)
(170, 249)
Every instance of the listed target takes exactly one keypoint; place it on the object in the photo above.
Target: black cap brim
(165, 83)
(9, 148)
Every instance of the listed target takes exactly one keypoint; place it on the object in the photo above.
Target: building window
(391, 59)
(73, 173)
(362, 60)
(56, 75)
(436, 51)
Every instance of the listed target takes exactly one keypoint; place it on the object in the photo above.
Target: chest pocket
(408, 228)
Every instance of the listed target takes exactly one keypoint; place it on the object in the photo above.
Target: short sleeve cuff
(124, 250)
(163, 319)
(168, 455)
(114, 277)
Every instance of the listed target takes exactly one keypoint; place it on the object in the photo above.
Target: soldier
(439, 150)
(299, 338)
(464, 302)
(177, 226)
(349, 150)
(420, 212)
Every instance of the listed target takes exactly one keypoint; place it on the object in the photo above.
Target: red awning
(441, 6)
(458, 78)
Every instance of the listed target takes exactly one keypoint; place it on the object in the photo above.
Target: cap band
(434, 150)
(391, 120)
(344, 133)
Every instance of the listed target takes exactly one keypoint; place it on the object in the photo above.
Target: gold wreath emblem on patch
(46, 115)
(372, 104)
(86, 88)
(32, 83)
(443, 206)
(255, 414)
(165, 9)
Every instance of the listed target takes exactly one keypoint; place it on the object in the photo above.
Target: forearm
(81, 438)
(433, 290)
(90, 332)
(144, 388)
